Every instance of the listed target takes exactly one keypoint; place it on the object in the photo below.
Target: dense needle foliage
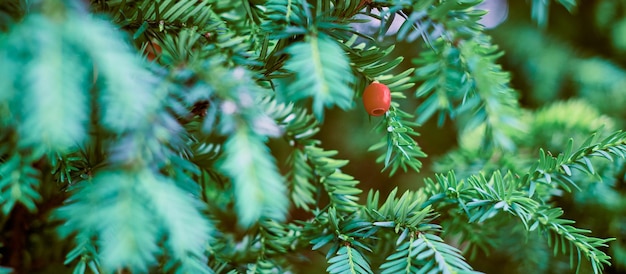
(183, 136)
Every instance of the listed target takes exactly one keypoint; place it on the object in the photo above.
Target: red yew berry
(376, 99)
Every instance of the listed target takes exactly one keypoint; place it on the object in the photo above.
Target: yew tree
(208, 136)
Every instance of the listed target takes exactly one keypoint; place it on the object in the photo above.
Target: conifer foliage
(144, 136)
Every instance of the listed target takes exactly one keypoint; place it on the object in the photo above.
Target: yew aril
(376, 99)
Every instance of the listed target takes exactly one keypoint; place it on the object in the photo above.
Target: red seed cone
(376, 99)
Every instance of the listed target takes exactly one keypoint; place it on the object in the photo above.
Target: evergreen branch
(341, 188)
(347, 9)
(127, 239)
(311, 163)
(476, 237)
(418, 25)
(447, 189)
(405, 213)
(264, 266)
(299, 126)
(259, 188)
(127, 95)
(430, 21)
(285, 18)
(503, 194)
(426, 254)
(168, 15)
(321, 69)
(241, 16)
(499, 194)
(69, 168)
(460, 70)
(300, 177)
(143, 129)
(285, 21)
(179, 49)
(52, 84)
(402, 150)
(441, 88)
(370, 64)
(216, 36)
(402, 260)
(173, 207)
(204, 155)
(499, 107)
(348, 260)
(48, 81)
(274, 241)
(559, 232)
(462, 78)
(85, 251)
(341, 231)
(19, 183)
(187, 229)
(445, 259)
(559, 169)
(237, 47)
